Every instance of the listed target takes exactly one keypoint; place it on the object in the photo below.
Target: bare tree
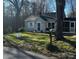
(13, 18)
(8, 16)
(26, 11)
(42, 6)
(39, 7)
(18, 5)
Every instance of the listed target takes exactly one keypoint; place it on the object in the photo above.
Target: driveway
(13, 53)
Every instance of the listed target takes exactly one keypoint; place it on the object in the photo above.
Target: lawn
(38, 42)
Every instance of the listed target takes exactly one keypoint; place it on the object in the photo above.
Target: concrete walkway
(13, 53)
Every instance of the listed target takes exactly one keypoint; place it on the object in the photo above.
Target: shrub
(21, 29)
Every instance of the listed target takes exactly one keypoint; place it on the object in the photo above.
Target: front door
(38, 26)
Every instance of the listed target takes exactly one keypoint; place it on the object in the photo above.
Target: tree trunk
(59, 24)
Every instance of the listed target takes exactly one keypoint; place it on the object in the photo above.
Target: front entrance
(38, 26)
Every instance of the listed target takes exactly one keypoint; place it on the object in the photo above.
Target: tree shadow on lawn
(53, 48)
(72, 43)
(12, 36)
(34, 42)
(30, 40)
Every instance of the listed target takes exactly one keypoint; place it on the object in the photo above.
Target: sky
(52, 6)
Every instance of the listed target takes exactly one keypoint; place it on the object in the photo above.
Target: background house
(35, 23)
(69, 25)
(45, 22)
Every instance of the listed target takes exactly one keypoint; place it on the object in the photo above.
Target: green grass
(37, 42)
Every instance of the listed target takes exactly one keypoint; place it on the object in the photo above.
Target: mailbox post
(50, 35)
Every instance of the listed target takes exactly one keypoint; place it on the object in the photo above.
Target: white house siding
(27, 26)
(42, 25)
(30, 26)
(35, 22)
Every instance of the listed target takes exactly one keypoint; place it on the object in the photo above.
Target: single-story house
(44, 23)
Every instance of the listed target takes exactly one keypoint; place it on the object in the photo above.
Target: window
(31, 24)
(49, 25)
(72, 24)
(53, 25)
(66, 26)
(38, 26)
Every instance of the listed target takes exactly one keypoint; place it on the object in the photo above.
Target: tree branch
(22, 1)
(11, 1)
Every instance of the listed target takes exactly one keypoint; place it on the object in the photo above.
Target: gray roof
(47, 17)
(31, 18)
(70, 19)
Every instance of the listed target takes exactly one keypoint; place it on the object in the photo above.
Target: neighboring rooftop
(48, 17)
(71, 19)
